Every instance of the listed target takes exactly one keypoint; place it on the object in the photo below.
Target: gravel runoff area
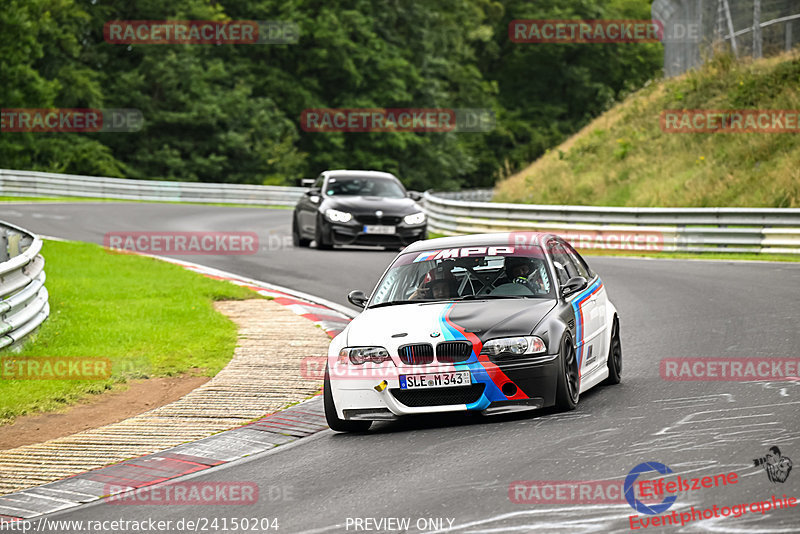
(264, 375)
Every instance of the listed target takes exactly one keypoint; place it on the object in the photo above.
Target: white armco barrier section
(23, 297)
(46, 184)
(754, 230)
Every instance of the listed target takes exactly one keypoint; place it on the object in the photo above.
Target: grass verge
(149, 317)
(625, 158)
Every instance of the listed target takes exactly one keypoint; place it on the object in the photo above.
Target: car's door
(596, 330)
(307, 208)
(588, 323)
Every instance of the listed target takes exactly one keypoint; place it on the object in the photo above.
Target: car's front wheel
(319, 235)
(614, 355)
(297, 237)
(569, 382)
(339, 425)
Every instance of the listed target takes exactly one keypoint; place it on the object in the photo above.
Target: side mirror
(415, 195)
(357, 298)
(313, 195)
(573, 284)
(307, 182)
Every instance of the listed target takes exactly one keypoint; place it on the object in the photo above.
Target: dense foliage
(231, 113)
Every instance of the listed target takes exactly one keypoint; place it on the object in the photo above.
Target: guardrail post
(4, 253)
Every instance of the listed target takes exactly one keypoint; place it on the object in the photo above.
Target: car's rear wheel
(614, 355)
(297, 238)
(319, 235)
(569, 382)
(339, 425)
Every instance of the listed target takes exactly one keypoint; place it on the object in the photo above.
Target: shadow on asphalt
(453, 420)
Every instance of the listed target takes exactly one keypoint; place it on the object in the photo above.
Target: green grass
(84, 199)
(623, 158)
(150, 318)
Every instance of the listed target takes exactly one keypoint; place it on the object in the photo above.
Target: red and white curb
(275, 429)
(330, 316)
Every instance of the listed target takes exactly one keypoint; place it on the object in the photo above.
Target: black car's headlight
(414, 218)
(361, 355)
(338, 216)
(514, 346)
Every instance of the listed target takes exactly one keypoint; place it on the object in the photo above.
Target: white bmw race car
(486, 323)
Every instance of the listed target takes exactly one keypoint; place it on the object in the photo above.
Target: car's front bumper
(359, 392)
(353, 233)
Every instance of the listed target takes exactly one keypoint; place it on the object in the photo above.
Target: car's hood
(487, 319)
(368, 205)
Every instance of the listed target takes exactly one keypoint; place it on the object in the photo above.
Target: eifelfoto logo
(777, 466)
(637, 504)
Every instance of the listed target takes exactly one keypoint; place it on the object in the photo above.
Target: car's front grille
(438, 396)
(453, 351)
(420, 354)
(385, 220)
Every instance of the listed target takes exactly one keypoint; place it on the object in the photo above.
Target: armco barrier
(754, 230)
(23, 297)
(45, 184)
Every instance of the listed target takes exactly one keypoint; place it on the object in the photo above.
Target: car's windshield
(363, 186)
(465, 274)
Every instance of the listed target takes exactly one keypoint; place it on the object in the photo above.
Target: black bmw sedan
(358, 208)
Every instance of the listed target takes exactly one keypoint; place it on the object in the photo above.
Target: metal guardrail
(45, 184)
(23, 298)
(754, 230)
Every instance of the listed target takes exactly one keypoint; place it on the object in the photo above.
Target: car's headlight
(414, 218)
(361, 355)
(338, 216)
(514, 346)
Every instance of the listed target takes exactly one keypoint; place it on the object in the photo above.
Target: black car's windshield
(465, 274)
(363, 186)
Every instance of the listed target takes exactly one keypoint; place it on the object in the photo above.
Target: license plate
(436, 380)
(379, 229)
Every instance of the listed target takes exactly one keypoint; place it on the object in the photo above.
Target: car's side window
(571, 265)
(320, 180)
(561, 261)
(580, 265)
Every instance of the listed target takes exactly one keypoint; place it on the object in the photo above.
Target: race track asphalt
(460, 469)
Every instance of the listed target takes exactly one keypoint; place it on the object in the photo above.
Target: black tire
(569, 382)
(339, 425)
(297, 239)
(614, 355)
(319, 235)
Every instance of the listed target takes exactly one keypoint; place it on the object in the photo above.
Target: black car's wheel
(339, 425)
(614, 355)
(297, 238)
(568, 385)
(319, 235)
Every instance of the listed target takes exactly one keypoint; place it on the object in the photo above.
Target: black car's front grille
(453, 351)
(386, 220)
(438, 396)
(420, 354)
